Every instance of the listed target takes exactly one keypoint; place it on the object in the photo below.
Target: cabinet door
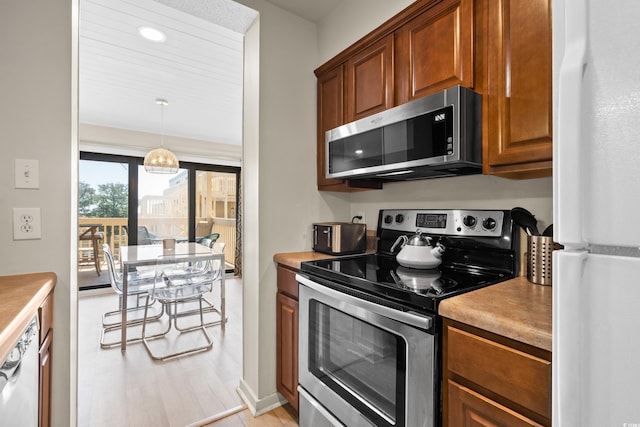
(45, 317)
(516, 375)
(287, 348)
(330, 115)
(44, 406)
(517, 86)
(369, 76)
(331, 101)
(434, 51)
(470, 409)
(287, 282)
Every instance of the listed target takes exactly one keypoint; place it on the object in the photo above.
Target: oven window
(361, 362)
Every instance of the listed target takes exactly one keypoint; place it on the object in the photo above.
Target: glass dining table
(132, 257)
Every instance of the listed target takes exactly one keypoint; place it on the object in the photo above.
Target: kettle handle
(402, 238)
(439, 249)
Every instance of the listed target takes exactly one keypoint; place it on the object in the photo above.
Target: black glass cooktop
(380, 275)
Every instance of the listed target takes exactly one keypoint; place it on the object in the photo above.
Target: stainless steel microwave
(435, 136)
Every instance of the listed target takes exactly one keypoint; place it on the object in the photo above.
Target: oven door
(365, 363)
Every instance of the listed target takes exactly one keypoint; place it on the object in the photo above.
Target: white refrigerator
(596, 282)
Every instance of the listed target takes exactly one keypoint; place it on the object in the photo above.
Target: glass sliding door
(116, 195)
(163, 206)
(103, 211)
(216, 209)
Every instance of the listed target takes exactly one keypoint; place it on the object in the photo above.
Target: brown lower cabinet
(45, 317)
(490, 380)
(287, 335)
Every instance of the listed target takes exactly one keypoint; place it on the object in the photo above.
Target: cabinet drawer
(515, 375)
(287, 281)
(45, 316)
(468, 408)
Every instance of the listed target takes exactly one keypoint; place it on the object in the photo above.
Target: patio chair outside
(204, 229)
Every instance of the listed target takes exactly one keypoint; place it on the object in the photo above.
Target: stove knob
(489, 223)
(388, 219)
(469, 221)
(399, 218)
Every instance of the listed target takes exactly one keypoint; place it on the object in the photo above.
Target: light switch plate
(26, 224)
(27, 173)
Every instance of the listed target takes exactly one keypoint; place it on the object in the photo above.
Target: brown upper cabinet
(513, 71)
(330, 115)
(434, 50)
(370, 80)
(500, 48)
(331, 101)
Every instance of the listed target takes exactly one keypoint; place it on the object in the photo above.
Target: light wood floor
(284, 416)
(133, 390)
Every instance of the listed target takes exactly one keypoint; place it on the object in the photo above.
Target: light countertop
(516, 309)
(20, 297)
(293, 259)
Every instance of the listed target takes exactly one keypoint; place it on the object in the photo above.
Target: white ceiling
(198, 69)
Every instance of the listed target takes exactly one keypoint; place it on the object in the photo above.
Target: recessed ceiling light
(152, 34)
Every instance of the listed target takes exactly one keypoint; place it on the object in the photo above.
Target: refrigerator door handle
(568, 267)
(568, 175)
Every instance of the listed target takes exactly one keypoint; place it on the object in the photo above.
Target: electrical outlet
(363, 220)
(26, 224)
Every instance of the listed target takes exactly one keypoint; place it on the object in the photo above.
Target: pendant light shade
(161, 160)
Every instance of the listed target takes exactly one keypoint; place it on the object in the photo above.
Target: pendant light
(161, 160)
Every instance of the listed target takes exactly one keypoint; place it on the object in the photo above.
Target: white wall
(350, 20)
(279, 179)
(472, 192)
(37, 113)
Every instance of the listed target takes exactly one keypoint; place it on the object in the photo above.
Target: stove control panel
(484, 223)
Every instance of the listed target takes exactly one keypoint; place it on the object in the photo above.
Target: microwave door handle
(315, 236)
(328, 237)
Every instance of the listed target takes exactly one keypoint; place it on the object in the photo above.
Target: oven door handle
(408, 317)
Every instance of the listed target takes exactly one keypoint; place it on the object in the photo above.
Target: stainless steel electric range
(369, 334)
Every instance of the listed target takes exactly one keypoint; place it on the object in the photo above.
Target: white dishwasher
(19, 381)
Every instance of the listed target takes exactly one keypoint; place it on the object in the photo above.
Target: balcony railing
(115, 234)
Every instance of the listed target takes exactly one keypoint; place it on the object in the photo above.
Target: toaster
(339, 238)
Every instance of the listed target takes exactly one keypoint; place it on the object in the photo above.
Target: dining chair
(139, 283)
(180, 279)
(210, 307)
(216, 248)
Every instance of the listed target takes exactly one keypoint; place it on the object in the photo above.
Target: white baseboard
(259, 406)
